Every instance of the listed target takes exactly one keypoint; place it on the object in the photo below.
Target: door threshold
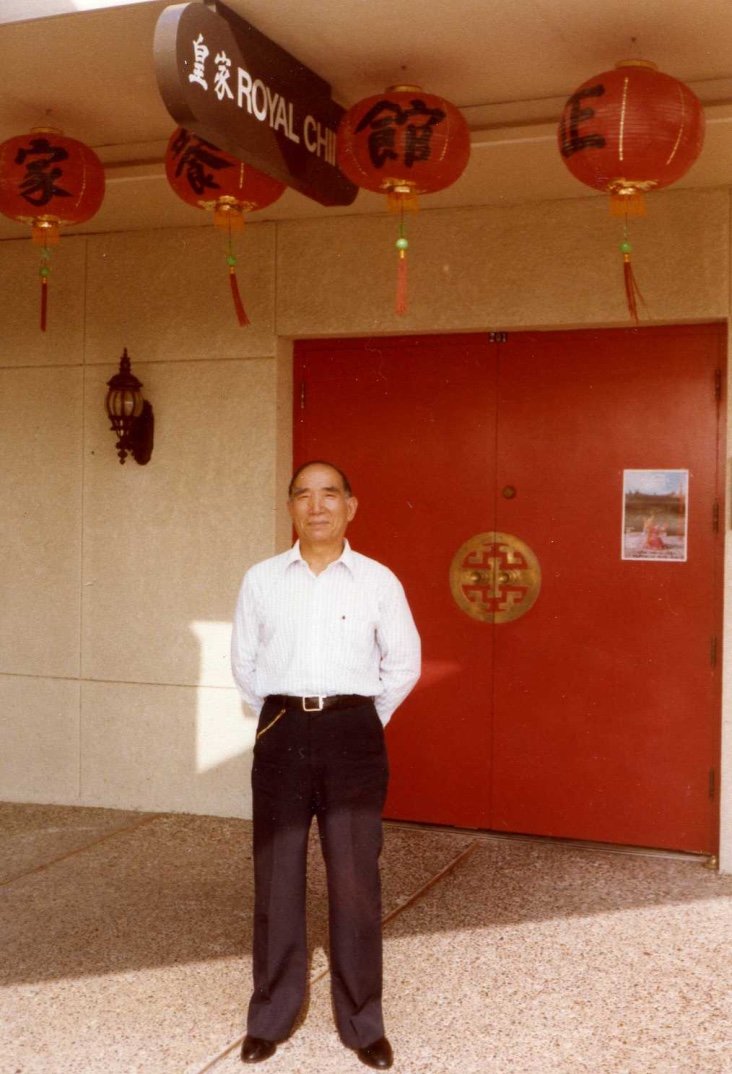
(487, 835)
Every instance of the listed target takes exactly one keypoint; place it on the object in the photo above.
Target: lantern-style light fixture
(403, 143)
(49, 181)
(208, 178)
(131, 415)
(629, 131)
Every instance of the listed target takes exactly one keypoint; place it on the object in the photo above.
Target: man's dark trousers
(332, 765)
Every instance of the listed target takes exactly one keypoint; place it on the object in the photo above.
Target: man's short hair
(319, 462)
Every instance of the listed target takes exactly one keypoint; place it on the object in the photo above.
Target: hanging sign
(223, 79)
(655, 506)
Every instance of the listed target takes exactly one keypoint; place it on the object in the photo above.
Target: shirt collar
(347, 557)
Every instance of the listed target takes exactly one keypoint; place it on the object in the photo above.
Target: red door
(595, 715)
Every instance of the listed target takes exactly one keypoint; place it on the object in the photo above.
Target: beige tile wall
(118, 582)
(524, 266)
(39, 731)
(166, 544)
(41, 482)
(165, 295)
(165, 748)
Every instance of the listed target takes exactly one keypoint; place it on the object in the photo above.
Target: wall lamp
(131, 415)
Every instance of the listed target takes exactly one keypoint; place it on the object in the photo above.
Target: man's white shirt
(347, 630)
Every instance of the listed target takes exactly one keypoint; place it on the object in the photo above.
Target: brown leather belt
(317, 704)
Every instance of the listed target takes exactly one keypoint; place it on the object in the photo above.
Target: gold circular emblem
(495, 577)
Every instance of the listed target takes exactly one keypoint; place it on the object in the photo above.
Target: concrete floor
(126, 943)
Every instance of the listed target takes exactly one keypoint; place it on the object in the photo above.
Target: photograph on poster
(655, 505)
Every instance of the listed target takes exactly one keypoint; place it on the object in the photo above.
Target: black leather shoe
(378, 1055)
(256, 1049)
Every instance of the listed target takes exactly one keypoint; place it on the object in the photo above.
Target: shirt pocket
(351, 640)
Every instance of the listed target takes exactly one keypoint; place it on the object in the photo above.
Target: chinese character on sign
(39, 183)
(570, 138)
(200, 52)
(194, 158)
(384, 121)
(223, 74)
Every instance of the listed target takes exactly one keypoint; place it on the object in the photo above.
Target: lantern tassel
(400, 305)
(44, 273)
(241, 313)
(632, 290)
(399, 200)
(402, 245)
(44, 303)
(631, 203)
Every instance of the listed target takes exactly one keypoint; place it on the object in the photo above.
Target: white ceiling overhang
(87, 67)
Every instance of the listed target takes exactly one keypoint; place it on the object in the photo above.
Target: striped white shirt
(347, 630)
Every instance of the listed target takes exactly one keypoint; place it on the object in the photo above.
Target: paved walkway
(126, 942)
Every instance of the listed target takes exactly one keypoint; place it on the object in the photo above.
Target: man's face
(319, 508)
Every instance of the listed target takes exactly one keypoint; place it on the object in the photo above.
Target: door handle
(495, 577)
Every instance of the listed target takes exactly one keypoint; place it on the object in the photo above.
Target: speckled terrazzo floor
(125, 949)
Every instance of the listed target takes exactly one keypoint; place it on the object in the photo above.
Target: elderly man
(324, 648)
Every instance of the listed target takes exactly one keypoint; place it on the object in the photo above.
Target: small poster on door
(655, 512)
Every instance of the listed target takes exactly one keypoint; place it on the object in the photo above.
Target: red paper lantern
(402, 143)
(209, 178)
(48, 180)
(629, 131)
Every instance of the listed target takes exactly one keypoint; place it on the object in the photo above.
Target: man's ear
(351, 507)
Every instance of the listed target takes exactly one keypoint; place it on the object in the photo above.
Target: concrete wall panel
(523, 266)
(39, 730)
(165, 295)
(165, 748)
(166, 544)
(40, 520)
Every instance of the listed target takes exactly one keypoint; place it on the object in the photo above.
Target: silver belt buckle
(317, 707)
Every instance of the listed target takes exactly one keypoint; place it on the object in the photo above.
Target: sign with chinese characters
(386, 118)
(43, 171)
(224, 80)
(655, 513)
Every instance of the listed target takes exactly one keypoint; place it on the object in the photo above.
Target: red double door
(595, 715)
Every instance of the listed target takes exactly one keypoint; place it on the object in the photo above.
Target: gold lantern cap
(404, 89)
